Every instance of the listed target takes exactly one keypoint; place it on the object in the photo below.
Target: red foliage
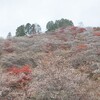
(25, 69)
(75, 30)
(22, 75)
(80, 30)
(97, 33)
(14, 70)
(81, 47)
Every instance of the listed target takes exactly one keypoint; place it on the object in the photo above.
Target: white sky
(14, 13)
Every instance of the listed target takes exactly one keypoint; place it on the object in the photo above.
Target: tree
(28, 28)
(50, 26)
(37, 28)
(33, 31)
(58, 23)
(9, 35)
(63, 23)
(20, 31)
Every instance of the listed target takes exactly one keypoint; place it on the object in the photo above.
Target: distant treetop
(58, 24)
(28, 29)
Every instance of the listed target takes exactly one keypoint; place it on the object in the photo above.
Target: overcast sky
(14, 13)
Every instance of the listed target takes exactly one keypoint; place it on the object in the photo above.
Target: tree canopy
(28, 29)
(58, 23)
(20, 31)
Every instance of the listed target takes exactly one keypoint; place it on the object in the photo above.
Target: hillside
(60, 65)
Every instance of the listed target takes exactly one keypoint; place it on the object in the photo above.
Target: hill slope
(65, 65)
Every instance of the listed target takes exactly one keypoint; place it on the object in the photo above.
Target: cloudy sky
(14, 13)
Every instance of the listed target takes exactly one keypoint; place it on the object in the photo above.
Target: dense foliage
(58, 23)
(28, 29)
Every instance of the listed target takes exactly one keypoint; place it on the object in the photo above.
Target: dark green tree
(20, 31)
(28, 28)
(58, 24)
(50, 26)
(33, 31)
